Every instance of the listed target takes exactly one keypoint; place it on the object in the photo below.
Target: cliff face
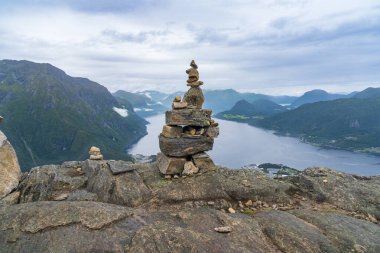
(108, 206)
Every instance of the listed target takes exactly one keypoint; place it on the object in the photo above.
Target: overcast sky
(266, 46)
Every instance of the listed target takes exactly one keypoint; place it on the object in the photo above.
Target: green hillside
(51, 117)
(244, 111)
(352, 124)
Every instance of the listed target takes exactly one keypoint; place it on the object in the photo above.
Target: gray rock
(346, 191)
(9, 168)
(185, 146)
(190, 117)
(170, 165)
(203, 161)
(118, 167)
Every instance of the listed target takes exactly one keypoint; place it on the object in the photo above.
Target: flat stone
(96, 157)
(179, 105)
(185, 146)
(189, 117)
(203, 161)
(171, 131)
(170, 165)
(10, 172)
(225, 229)
(118, 167)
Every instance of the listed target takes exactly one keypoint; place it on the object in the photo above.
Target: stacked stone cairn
(95, 153)
(188, 133)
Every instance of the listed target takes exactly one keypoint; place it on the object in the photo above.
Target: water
(240, 144)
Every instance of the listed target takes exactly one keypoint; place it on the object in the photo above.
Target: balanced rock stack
(95, 153)
(188, 133)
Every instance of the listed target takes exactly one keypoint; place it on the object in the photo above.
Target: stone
(96, 157)
(194, 98)
(118, 167)
(61, 197)
(185, 146)
(10, 172)
(225, 229)
(189, 117)
(248, 203)
(190, 169)
(172, 131)
(11, 199)
(193, 73)
(177, 99)
(203, 161)
(170, 165)
(94, 151)
(179, 105)
(212, 131)
(231, 210)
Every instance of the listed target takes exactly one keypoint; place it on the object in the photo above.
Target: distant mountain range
(317, 96)
(217, 100)
(52, 117)
(351, 123)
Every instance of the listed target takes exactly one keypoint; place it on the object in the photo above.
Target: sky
(267, 46)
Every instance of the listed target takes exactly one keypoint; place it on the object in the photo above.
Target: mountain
(352, 124)
(244, 110)
(317, 96)
(368, 93)
(52, 117)
(148, 103)
(142, 103)
(223, 100)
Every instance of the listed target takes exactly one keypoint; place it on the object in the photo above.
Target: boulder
(9, 167)
(118, 167)
(170, 165)
(179, 105)
(185, 146)
(190, 117)
(194, 97)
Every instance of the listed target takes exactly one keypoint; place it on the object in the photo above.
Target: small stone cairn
(188, 133)
(95, 153)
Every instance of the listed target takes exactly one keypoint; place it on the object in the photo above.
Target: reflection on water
(240, 144)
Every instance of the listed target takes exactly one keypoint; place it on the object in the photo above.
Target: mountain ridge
(51, 117)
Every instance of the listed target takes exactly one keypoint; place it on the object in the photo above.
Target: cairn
(95, 153)
(188, 133)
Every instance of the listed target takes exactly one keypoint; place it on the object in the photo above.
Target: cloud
(264, 46)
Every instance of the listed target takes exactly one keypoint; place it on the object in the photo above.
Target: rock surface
(139, 211)
(190, 117)
(9, 168)
(185, 146)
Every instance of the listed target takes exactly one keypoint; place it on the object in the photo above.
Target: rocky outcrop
(9, 168)
(219, 210)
